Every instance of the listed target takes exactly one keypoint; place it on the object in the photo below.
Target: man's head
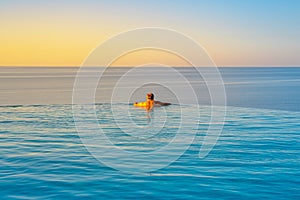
(150, 96)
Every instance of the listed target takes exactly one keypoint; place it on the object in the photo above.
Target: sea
(230, 133)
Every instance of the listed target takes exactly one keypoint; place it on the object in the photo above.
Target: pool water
(43, 156)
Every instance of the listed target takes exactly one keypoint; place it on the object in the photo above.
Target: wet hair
(150, 96)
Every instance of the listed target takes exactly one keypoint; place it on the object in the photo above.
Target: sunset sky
(234, 32)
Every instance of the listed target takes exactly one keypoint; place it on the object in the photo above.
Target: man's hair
(150, 96)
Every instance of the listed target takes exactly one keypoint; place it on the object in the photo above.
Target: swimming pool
(42, 155)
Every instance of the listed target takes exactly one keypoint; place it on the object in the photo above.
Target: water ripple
(42, 156)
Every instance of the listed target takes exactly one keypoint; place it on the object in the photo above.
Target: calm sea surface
(257, 154)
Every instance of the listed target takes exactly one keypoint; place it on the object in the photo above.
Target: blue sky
(234, 32)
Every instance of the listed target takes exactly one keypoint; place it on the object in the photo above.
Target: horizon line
(76, 66)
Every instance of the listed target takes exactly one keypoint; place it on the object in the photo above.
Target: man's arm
(162, 103)
(140, 104)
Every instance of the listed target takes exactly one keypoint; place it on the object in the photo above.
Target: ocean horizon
(253, 87)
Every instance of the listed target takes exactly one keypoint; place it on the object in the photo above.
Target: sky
(233, 32)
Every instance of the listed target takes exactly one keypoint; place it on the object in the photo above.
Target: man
(149, 103)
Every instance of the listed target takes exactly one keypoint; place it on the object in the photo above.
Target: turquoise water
(256, 156)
